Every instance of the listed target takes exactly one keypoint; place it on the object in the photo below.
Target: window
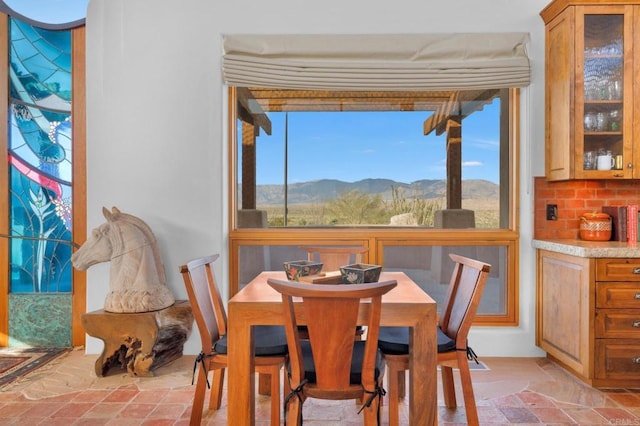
(376, 159)
(403, 143)
(411, 175)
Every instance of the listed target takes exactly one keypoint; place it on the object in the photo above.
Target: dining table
(405, 305)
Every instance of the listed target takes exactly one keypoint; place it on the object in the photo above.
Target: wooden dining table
(405, 305)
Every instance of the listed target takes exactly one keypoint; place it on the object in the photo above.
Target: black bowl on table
(359, 273)
(301, 268)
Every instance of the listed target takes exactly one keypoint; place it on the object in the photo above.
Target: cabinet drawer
(618, 323)
(617, 359)
(617, 295)
(617, 269)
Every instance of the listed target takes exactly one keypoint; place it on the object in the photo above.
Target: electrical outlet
(552, 212)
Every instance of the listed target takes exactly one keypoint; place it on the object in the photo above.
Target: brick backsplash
(574, 198)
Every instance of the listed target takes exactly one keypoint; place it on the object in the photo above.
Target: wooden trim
(233, 173)
(556, 7)
(79, 132)
(4, 187)
(377, 237)
(372, 233)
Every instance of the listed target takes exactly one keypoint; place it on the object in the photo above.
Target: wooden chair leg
(397, 365)
(467, 392)
(294, 412)
(217, 382)
(275, 395)
(198, 398)
(448, 388)
(402, 384)
(371, 413)
(264, 384)
(393, 395)
(285, 380)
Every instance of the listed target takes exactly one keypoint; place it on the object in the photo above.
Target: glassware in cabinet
(603, 89)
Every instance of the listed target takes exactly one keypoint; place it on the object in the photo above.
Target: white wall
(156, 118)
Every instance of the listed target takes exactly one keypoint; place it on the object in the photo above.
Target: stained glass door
(40, 177)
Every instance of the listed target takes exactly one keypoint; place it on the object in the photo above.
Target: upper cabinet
(590, 90)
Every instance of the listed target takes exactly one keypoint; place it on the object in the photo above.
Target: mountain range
(319, 191)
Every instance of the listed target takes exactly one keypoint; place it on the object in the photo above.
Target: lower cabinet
(588, 316)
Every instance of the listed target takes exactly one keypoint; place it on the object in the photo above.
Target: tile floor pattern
(523, 391)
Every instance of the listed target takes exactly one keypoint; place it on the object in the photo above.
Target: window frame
(376, 237)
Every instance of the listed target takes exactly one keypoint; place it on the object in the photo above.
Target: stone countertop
(581, 248)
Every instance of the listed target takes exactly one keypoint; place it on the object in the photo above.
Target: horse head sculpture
(137, 281)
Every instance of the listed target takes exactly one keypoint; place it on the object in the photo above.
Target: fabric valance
(377, 62)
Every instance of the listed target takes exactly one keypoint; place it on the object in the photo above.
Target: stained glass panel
(40, 153)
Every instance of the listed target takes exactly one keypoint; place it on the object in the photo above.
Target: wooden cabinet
(565, 313)
(590, 90)
(617, 321)
(588, 316)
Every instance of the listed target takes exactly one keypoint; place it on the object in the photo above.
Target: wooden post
(454, 162)
(248, 166)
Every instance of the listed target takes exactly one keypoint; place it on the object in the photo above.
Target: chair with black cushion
(331, 364)
(332, 258)
(463, 296)
(211, 318)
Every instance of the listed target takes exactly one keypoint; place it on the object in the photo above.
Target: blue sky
(50, 11)
(351, 146)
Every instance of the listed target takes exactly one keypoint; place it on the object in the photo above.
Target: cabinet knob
(636, 296)
(636, 324)
(636, 270)
(635, 360)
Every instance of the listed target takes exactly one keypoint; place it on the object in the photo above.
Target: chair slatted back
(333, 258)
(331, 314)
(463, 297)
(206, 303)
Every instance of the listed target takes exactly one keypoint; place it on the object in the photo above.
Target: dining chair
(331, 364)
(463, 297)
(333, 257)
(211, 318)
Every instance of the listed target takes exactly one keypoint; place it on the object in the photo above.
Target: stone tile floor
(523, 391)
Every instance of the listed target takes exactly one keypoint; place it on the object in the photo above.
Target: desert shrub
(422, 209)
(357, 208)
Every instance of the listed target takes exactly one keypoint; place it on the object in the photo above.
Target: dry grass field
(301, 214)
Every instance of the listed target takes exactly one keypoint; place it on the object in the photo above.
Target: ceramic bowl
(359, 273)
(301, 268)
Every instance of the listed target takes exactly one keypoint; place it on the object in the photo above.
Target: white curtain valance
(377, 62)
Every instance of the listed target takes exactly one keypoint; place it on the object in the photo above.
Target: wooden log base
(139, 342)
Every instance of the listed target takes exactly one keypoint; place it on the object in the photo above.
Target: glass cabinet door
(602, 147)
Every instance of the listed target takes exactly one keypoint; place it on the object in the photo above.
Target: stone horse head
(137, 280)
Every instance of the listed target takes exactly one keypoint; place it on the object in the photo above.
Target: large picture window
(405, 144)
(411, 175)
(425, 159)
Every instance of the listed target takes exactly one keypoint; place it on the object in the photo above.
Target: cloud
(472, 164)
(488, 144)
